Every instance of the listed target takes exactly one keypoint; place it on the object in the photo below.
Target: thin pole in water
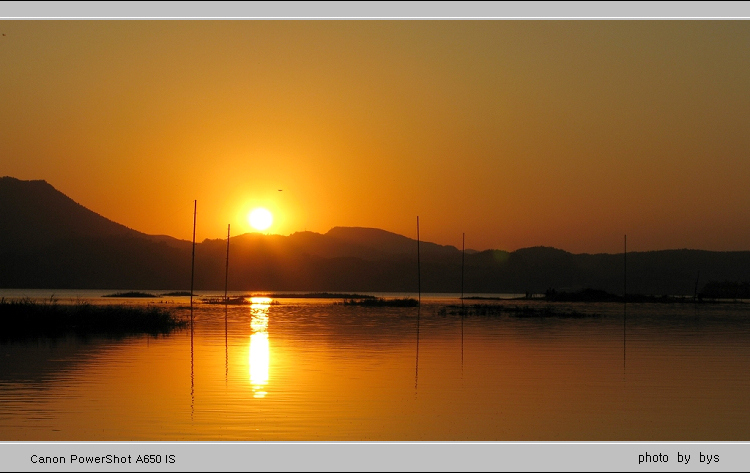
(226, 273)
(416, 363)
(419, 271)
(192, 326)
(625, 270)
(463, 259)
(226, 308)
(624, 335)
(226, 345)
(624, 301)
(192, 366)
(192, 270)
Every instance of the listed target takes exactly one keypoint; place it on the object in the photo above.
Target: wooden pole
(419, 271)
(226, 273)
(416, 363)
(192, 270)
(625, 271)
(226, 309)
(624, 334)
(192, 325)
(192, 366)
(463, 260)
(226, 345)
(624, 300)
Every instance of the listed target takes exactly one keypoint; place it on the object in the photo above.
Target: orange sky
(519, 133)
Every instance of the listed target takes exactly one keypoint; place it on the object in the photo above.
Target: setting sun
(260, 219)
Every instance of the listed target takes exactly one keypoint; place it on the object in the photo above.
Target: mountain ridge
(48, 240)
(23, 202)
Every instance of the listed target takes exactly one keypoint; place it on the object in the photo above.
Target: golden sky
(520, 133)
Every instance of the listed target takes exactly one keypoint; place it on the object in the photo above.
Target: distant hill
(387, 243)
(33, 213)
(49, 241)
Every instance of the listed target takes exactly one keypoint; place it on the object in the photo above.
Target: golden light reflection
(260, 302)
(259, 352)
(259, 362)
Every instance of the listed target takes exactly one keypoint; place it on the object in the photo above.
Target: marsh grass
(514, 311)
(380, 302)
(131, 294)
(24, 318)
(314, 295)
(238, 300)
(247, 298)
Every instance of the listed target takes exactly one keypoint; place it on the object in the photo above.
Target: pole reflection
(416, 363)
(192, 363)
(259, 350)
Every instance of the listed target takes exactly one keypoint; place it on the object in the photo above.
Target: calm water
(311, 370)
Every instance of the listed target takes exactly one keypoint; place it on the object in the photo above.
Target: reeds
(237, 300)
(380, 302)
(130, 294)
(514, 311)
(312, 295)
(240, 300)
(24, 318)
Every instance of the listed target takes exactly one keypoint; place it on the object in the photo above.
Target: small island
(380, 302)
(132, 294)
(525, 311)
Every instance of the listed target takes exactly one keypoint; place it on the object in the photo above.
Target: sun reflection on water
(259, 352)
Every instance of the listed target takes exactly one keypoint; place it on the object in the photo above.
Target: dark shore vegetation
(132, 294)
(380, 302)
(176, 293)
(725, 290)
(237, 300)
(714, 292)
(246, 299)
(514, 311)
(24, 318)
(582, 295)
(315, 295)
(598, 295)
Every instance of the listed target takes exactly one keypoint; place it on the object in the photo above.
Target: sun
(260, 218)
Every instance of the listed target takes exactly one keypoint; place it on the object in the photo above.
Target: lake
(308, 369)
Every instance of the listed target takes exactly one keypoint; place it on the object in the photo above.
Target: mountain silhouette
(387, 243)
(49, 241)
(33, 213)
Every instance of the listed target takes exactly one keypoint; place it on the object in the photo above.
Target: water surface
(306, 369)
